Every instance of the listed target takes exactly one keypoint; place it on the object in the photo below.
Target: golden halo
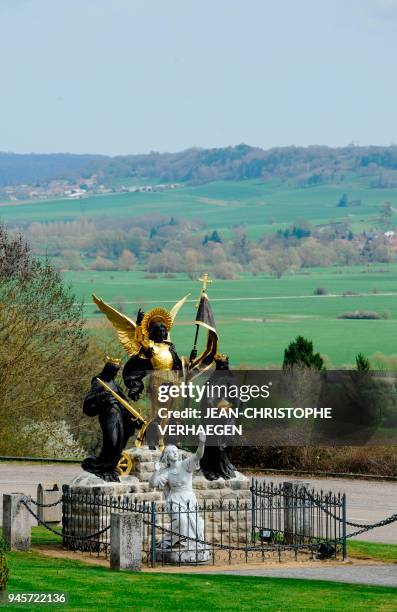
(156, 315)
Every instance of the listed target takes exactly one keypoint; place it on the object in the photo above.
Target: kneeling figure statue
(185, 540)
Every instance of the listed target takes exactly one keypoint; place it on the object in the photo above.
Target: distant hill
(306, 165)
(32, 168)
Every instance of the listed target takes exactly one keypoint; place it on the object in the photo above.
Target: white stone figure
(181, 503)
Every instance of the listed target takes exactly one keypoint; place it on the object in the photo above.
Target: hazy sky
(130, 76)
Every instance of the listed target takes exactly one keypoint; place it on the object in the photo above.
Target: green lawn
(261, 315)
(257, 317)
(372, 550)
(90, 587)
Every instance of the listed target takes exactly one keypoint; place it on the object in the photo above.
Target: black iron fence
(294, 515)
(284, 520)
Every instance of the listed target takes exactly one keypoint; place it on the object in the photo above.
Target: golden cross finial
(205, 279)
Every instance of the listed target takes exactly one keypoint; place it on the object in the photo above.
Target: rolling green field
(260, 206)
(258, 316)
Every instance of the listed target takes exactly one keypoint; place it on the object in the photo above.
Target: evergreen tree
(362, 363)
(300, 352)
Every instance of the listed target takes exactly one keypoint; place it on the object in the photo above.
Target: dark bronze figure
(216, 461)
(116, 423)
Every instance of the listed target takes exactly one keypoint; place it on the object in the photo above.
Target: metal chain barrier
(365, 528)
(243, 548)
(36, 503)
(361, 529)
(362, 526)
(58, 533)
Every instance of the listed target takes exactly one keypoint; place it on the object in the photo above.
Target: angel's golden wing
(175, 309)
(124, 326)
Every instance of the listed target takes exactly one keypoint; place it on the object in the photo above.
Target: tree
(42, 346)
(213, 237)
(362, 363)
(127, 260)
(281, 260)
(300, 352)
(101, 263)
(386, 213)
(226, 270)
(343, 201)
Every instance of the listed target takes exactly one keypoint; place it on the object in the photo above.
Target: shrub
(362, 363)
(361, 314)
(226, 270)
(380, 460)
(300, 353)
(321, 291)
(150, 276)
(4, 571)
(52, 439)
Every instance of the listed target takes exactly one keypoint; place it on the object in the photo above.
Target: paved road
(18, 477)
(382, 575)
(367, 501)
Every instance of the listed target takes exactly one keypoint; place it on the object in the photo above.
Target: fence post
(153, 534)
(126, 541)
(49, 493)
(303, 526)
(253, 509)
(65, 514)
(16, 521)
(344, 526)
(288, 512)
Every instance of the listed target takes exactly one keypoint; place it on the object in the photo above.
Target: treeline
(309, 165)
(166, 245)
(34, 169)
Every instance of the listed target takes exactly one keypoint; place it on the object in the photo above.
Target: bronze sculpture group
(152, 357)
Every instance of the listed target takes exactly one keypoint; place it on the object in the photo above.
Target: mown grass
(92, 587)
(357, 549)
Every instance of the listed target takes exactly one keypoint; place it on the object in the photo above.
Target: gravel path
(381, 575)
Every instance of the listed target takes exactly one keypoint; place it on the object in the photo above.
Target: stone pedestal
(226, 504)
(88, 503)
(228, 508)
(210, 490)
(188, 556)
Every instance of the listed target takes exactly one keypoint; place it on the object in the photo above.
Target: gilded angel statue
(148, 344)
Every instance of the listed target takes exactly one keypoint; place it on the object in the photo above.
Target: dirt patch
(101, 561)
